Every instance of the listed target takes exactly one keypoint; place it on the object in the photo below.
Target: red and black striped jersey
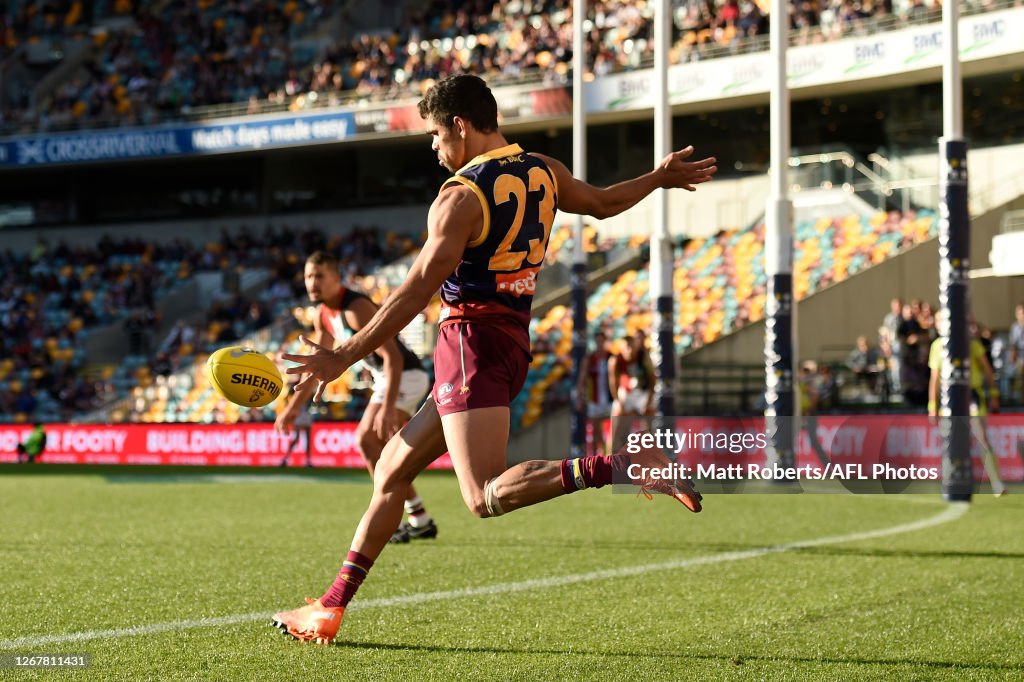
(333, 320)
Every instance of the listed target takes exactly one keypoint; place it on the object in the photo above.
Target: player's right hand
(320, 367)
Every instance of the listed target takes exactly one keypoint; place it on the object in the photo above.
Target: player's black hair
(325, 258)
(465, 96)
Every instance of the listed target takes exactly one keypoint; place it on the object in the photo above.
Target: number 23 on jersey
(508, 187)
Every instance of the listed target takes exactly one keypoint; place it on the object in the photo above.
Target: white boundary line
(951, 513)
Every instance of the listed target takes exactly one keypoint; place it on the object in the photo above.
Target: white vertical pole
(952, 87)
(780, 311)
(662, 261)
(578, 276)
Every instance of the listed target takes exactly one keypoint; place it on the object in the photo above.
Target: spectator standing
(890, 342)
(827, 388)
(594, 383)
(913, 357)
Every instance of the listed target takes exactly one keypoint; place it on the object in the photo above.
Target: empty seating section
(720, 285)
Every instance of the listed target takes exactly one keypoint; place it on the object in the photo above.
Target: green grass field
(631, 590)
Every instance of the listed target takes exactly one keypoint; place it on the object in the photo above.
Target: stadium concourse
(274, 56)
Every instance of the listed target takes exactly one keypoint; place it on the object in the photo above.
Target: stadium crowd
(53, 296)
(177, 56)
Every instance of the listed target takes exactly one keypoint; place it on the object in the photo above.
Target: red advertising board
(900, 440)
(334, 445)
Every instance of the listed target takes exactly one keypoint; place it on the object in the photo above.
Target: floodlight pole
(662, 258)
(954, 266)
(578, 273)
(780, 309)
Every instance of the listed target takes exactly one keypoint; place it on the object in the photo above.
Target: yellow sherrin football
(244, 376)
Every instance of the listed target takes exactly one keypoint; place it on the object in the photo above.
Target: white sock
(420, 520)
(418, 517)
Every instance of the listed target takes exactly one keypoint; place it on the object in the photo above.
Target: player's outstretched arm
(576, 196)
(454, 216)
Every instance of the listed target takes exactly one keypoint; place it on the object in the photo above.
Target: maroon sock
(590, 472)
(350, 577)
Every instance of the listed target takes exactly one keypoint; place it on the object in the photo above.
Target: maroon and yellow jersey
(497, 277)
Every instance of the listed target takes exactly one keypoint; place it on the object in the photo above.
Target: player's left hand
(678, 172)
(322, 366)
(386, 423)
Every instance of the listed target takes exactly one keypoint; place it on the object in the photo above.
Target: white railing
(1013, 221)
(885, 182)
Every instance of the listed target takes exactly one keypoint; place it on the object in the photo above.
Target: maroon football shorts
(477, 365)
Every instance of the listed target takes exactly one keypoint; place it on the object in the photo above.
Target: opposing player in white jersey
(399, 380)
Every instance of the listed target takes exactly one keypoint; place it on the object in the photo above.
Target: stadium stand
(141, 70)
(175, 56)
(250, 54)
(28, 21)
(720, 284)
(54, 296)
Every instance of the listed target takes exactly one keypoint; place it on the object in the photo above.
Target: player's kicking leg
(419, 443)
(490, 489)
(474, 440)
(479, 370)
(420, 524)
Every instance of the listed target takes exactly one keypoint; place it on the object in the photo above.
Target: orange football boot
(313, 622)
(677, 487)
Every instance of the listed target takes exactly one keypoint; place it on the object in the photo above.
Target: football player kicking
(399, 380)
(488, 230)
